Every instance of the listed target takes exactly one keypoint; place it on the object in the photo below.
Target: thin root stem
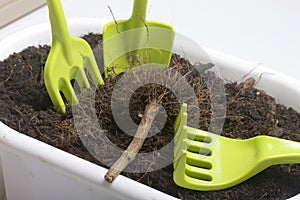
(132, 150)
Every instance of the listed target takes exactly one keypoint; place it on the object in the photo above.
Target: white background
(260, 31)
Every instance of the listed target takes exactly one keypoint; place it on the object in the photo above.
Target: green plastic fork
(136, 41)
(68, 59)
(206, 161)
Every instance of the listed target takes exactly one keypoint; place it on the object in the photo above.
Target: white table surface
(260, 31)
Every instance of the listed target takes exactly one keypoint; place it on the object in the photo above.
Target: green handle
(60, 32)
(138, 13)
(280, 151)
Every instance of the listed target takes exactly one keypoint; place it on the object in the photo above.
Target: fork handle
(279, 151)
(60, 32)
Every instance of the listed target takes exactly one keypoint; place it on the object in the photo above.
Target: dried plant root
(136, 144)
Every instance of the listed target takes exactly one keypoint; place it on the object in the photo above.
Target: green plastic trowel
(136, 41)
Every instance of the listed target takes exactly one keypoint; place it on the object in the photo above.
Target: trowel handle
(138, 15)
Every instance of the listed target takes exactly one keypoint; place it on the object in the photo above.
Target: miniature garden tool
(68, 58)
(136, 41)
(206, 161)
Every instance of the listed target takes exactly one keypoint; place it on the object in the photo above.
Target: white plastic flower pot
(30, 169)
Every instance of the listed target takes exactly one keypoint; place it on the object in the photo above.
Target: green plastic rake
(206, 161)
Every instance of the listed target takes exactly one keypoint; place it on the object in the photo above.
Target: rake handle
(279, 151)
(59, 29)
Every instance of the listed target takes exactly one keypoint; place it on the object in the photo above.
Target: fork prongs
(59, 84)
(93, 70)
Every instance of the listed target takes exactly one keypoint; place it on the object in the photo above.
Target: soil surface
(26, 107)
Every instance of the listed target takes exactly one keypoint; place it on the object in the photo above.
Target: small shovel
(68, 59)
(136, 41)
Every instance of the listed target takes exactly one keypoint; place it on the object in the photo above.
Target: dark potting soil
(25, 106)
